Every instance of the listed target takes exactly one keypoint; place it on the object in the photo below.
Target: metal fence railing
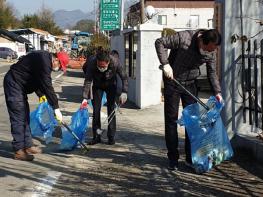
(252, 83)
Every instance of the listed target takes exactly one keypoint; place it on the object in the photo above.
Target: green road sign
(109, 14)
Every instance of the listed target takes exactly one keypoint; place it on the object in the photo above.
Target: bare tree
(7, 17)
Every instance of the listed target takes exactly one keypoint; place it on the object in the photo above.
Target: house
(40, 39)
(61, 42)
(13, 41)
(177, 15)
(136, 42)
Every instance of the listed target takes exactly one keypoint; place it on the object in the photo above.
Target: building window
(193, 21)
(162, 19)
(131, 43)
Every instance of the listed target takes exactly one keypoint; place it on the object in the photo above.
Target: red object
(218, 98)
(63, 59)
(76, 63)
(84, 105)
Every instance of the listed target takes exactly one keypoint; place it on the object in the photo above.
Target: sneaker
(33, 150)
(95, 140)
(173, 165)
(23, 156)
(111, 142)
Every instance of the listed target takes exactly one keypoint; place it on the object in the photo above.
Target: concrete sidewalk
(137, 164)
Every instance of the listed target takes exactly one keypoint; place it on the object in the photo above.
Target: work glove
(168, 71)
(58, 115)
(219, 98)
(123, 98)
(42, 99)
(84, 104)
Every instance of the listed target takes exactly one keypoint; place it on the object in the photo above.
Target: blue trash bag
(103, 100)
(79, 124)
(208, 137)
(43, 122)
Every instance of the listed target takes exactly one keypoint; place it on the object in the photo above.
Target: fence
(252, 83)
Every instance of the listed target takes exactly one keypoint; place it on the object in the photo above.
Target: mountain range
(66, 19)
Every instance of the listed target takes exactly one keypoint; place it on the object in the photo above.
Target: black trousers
(19, 113)
(96, 102)
(172, 95)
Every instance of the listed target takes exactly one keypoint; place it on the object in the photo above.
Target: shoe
(173, 165)
(95, 140)
(111, 142)
(23, 156)
(189, 164)
(33, 150)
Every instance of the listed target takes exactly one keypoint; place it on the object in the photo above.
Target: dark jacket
(33, 73)
(185, 58)
(102, 80)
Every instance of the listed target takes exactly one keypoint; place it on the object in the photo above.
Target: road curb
(251, 144)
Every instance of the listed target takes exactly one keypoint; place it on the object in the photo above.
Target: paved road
(135, 166)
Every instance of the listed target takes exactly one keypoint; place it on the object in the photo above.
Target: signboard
(109, 14)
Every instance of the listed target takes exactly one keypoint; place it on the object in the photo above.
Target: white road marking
(3, 73)
(43, 188)
(58, 76)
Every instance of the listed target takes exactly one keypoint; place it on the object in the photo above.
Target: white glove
(123, 98)
(219, 98)
(168, 71)
(58, 115)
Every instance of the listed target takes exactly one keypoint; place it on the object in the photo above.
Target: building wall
(180, 18)
(34, 39)
(230, 71)
(15, 46)
(145, 87)
(150, 76)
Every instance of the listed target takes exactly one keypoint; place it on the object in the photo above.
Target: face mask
(205, 53)
(102, 69)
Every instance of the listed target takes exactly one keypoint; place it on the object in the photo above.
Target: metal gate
(252, 83)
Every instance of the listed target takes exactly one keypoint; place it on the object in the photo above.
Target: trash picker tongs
(188, 92)
(75, 136)
(109, 118)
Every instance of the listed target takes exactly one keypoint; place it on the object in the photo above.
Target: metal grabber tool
(84, 146)
(109, 118)
(189, 93)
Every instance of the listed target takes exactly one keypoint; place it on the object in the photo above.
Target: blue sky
(32, 6)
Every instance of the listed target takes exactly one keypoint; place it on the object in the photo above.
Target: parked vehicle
(80, 44)
(7, 53)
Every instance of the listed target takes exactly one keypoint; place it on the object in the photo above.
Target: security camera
(149, 11)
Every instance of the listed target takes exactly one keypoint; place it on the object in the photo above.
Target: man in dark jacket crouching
(32, 73)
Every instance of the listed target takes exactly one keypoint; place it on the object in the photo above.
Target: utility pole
(95, 15)
(122, 13)
(142, 11)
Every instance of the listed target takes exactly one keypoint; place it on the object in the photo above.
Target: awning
(12, 36)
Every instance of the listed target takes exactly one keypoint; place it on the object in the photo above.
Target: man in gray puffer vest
(189, 50)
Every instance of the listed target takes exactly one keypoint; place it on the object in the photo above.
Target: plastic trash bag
(208, 137)
(103, 100)
(43, 122)
(79, 124)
